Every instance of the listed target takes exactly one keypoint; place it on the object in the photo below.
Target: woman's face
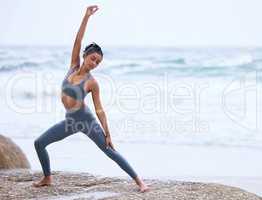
(92, 60)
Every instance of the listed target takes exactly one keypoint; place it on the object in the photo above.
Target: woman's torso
(74, 90)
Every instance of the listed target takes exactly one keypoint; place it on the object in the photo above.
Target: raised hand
(91, 10)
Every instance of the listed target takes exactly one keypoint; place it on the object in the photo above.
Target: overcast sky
(133, 22)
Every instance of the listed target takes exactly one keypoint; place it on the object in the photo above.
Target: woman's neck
(82, 70)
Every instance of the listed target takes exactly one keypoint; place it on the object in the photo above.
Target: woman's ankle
(48, 177)
(138, 181)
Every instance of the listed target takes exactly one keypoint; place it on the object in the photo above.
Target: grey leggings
(80, 120)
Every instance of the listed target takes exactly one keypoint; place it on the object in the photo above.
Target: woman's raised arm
(75, 57)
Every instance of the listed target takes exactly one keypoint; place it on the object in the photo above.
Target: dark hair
(91, 48)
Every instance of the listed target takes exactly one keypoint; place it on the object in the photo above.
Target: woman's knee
(38, 143)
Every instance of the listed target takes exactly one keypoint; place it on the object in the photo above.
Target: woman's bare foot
(142, 186)
(45, 181)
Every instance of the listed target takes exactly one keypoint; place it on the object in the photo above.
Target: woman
(76, 84)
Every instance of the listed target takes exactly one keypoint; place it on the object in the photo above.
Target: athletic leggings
(84, 121)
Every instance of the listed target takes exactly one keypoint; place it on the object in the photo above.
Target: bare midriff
(70, 103)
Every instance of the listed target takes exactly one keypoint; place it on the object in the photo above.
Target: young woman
(76, 84)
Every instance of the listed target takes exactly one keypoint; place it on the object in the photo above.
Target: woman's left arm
(99, 108)
(100, 113)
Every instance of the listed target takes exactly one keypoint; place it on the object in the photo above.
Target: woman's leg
(96, 134)
(55, 133)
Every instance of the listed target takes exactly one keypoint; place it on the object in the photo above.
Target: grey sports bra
(75, 91)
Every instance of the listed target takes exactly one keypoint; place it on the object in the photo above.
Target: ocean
(192, 96)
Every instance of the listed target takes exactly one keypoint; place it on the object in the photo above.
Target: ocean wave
(171, 61)
(12, 67)
(179, 62)
(29, 65)
(175, 70)
(228, 61)
(131, 65)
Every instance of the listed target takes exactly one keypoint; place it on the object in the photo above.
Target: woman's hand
(91, 10)
(109, 142)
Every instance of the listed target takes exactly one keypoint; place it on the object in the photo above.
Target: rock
(11, 156)
(17, 184)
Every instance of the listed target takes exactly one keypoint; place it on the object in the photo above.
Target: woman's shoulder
(93, 82)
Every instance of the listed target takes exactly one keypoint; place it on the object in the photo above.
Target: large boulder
(11, 156)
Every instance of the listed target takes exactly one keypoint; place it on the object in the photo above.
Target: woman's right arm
(75, 57)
